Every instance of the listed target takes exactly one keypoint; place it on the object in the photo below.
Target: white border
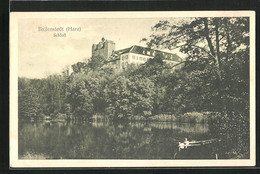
(15, 162)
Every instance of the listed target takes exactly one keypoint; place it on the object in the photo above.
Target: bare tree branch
(205, 51)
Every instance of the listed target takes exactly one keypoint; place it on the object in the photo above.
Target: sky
(40, 54)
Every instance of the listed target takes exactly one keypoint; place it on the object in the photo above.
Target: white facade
(132, 58)
(138, 59)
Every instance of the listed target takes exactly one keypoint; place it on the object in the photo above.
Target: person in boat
(186, 143)
(181, 146)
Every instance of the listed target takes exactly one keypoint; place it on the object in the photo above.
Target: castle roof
(109, 41)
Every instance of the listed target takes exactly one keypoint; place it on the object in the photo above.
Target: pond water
(103, 140)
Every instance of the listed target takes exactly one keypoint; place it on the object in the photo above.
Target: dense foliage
(216, 74)
(214, 80)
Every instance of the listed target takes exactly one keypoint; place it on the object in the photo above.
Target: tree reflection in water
(103, 140)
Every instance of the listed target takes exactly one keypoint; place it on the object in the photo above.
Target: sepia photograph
(132, 89)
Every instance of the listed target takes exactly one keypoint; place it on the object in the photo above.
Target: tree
(142, 94)
(210, 43)
(153, 70)
(79, 67)
(129, 96)
(28, 103)
(54, 90)
(96, 62)
(217, 62)
(117, 95)
(79, 96)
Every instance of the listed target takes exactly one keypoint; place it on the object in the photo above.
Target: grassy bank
(189, 117)
(195, 117)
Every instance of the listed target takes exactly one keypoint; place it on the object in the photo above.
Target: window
(126, 57)
(133, 57)
(123, 64)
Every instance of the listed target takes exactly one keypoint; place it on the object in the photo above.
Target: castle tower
(104, 48)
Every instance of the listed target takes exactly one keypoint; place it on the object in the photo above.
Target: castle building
(104, 48)
(135, 55)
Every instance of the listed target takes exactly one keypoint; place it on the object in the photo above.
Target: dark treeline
(94, 89)
(214, 79)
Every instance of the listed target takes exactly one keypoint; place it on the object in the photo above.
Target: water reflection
(106, 140)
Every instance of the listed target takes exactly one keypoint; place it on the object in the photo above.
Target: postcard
(132, 89)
